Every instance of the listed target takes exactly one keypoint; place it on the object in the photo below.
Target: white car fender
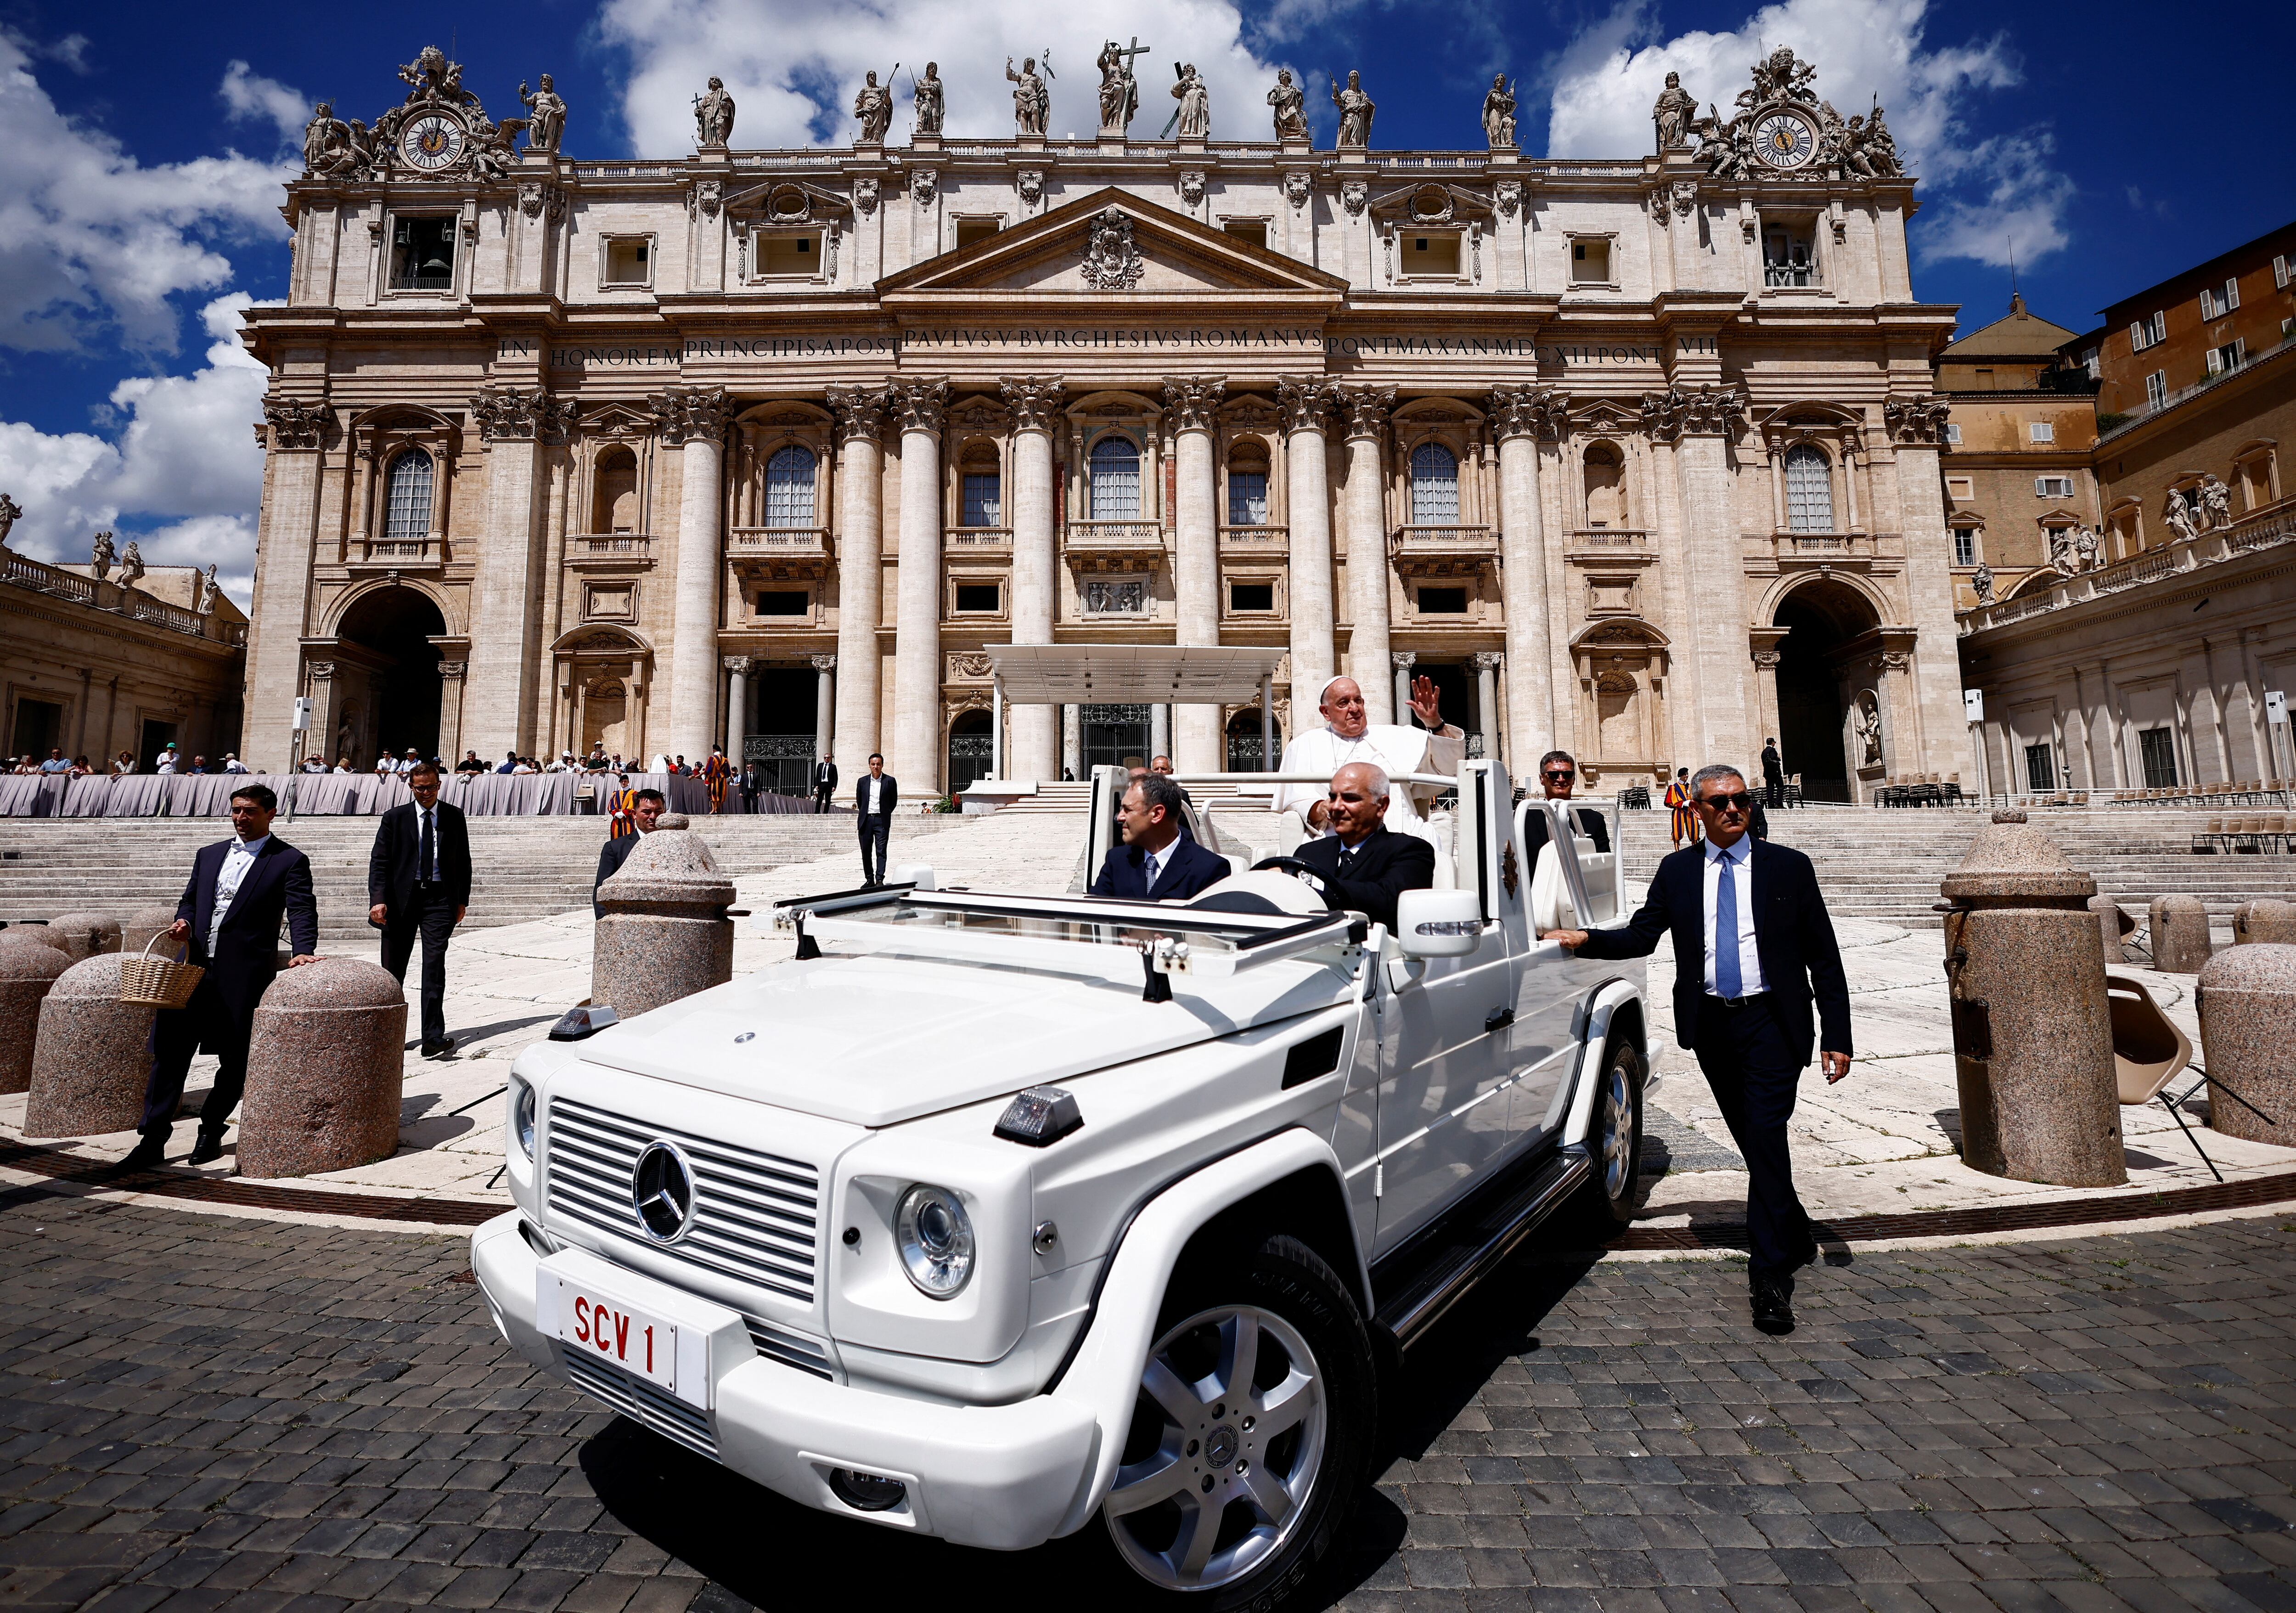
(1606, 1003)
(1105, 1375)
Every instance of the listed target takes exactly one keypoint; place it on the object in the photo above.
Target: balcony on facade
(1252, 542)
(397, 554)
(1447, 550)
(609, 551)
(1608, 543)
(977, 539)
(1095, 545)
(1791, 550)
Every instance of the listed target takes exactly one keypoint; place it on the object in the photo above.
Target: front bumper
(997, 1476)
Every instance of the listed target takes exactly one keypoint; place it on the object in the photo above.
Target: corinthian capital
(1366, 409)
(686, 413)
(860, 412)
(1528, 411)
(1917, 419)
(918, 406)
(1035, 401)
(1192, 403)
(504, 414)
(1306, 402)
(296, 424)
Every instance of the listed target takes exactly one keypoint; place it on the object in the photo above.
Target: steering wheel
(1292, 866)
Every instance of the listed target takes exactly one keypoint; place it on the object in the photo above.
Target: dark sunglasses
(1561, 777)
(1739, 799)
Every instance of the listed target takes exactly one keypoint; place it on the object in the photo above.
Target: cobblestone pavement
(198, 1412)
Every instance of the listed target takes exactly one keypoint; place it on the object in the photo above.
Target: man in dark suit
(418, 884)
(645, 811)
(1774, 775)
(825, 780)
(229, 915)
(1362, 865)
(1558, 776)
(1156, 861)
(1753, 913)
(875, 799)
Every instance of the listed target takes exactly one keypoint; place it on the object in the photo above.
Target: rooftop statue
(435, 79)
(1195, 113)
(713, 116)
(1498, 115)
(873, 106)
(1290, 105)
(1032, 102)
(1120, 91)
(926, 98)
(1672, 114)
(101, 554)
(1355, 109)
(131, 566)
(545, 117)
(11, 513)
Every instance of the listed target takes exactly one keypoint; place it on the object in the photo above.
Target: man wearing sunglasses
(1558, 776)
(1752, 911)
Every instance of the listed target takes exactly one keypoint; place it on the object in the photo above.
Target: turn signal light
(576, 1024)
(1039, 1117)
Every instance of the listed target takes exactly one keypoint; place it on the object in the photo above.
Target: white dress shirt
(236, 862)
(873, 795)
(1741, 881)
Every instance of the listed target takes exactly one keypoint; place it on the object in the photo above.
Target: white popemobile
(991, 1216)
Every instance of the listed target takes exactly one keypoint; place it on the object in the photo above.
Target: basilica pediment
(1113, 247)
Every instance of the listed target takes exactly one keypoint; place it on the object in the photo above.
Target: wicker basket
(158, 982)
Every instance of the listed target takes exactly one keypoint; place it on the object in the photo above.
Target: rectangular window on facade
(1964, 547)
(1253, 231)
(1790, 257)
(2228, 357)
(2156, 389)
(980, 598)
(2158, 748)
(2053, 486)
(2156, 327)
(972, 230)
(1590, 262)
(2210, 308)
(783, 602)
(2229, 299)
(2089, 363)
(1952, 434)
(626, 259)
(1962, 487)
(1438, 255)
(798, 253)
(2281, 272)
(1243, 597)
(2040, 770)
(1442, 601)
(2041, 431)
(1247, 497)
(422, 254)
(984, 498)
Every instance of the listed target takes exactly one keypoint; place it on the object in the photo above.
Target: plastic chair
(2148, 1051)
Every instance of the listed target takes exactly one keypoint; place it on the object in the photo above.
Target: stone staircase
(524, 868)
(1887, 865)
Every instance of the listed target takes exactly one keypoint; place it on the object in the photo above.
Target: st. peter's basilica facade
(767, 447)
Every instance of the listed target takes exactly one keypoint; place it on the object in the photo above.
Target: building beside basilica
(1639, 457)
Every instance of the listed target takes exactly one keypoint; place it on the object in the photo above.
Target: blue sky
(2105, 144)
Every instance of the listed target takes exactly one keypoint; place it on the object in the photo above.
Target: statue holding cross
(1119, 93)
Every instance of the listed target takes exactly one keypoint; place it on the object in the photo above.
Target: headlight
(521, 1115)
(935, 1237)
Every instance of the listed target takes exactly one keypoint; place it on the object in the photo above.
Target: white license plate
(610, 1329)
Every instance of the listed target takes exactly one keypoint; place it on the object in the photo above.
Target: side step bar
(1478, 1245)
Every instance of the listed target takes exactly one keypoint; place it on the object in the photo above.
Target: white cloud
(1989, 195)
(254, 98)
(93, 243)
(792, 66)
(187, 460)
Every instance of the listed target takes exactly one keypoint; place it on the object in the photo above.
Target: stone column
(919, 407)
(1306, 403)
(451, 680)
(693, 421)
(1366, 409)
(1520, 416)
(824, 707)
(1159, 730)
(1191, 409)
(505, 628)
(1700, 421)
(737, 707)
(1072, 740)
(1403, 660)
(1035, 401)
(1485, 663)
(287, 540)
(860, 571)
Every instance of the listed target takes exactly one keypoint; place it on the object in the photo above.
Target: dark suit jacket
(1591, 824)
(824, 776)
(860, 793)
(610, 858)
(1384, 865)
(390, 867)
(1793, 935)
(1773, 766)
(246, 955)
(1187, 869)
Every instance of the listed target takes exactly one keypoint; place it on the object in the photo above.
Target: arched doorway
(1243, 742)
(397, 625)
(972, 740)
(1832, 635)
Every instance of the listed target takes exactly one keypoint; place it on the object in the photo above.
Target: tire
(1614, 1134)
(1207, 1506)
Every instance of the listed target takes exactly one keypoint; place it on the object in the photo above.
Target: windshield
(1099, 923)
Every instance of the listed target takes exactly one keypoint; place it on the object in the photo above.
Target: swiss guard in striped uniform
(714, 773)
(1685, 817)
(625, 801)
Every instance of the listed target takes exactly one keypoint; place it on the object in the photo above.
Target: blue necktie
(1725, 933)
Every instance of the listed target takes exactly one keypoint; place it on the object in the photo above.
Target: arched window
(1809, 490)
(1434, 486)
(789, 488)
(1115, 472)
(407, 498)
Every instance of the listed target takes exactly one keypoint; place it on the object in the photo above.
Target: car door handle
(1498, 1019)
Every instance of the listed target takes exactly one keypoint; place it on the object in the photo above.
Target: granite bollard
(2032, 1031)
(2264, 920)
(2248, 1002)
(664, 934)
(142, 924)
(2112, 925)
(325, 1071)
(85, 935)
(2180, 934)
(92, 1057)
(26, 975)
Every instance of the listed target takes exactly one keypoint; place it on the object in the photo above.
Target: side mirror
(1438, 923)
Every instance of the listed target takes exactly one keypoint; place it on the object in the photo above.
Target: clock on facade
(1785, 140)
(431, 142)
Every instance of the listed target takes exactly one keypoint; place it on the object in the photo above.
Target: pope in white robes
(1347, 735)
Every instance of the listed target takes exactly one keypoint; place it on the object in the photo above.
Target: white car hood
(875, 1040)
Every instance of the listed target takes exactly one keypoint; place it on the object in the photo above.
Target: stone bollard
(34, 933)
(2248, 1001)
(2273, 922)
(2032, 1032)
(85, 935)
(664, 935)
(27, 973)
(2112, 925)
(2180, 934)
(93, 1057)
(325, 1071)
(142, 924)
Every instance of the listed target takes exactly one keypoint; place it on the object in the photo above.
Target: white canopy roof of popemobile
(1143, 674)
